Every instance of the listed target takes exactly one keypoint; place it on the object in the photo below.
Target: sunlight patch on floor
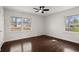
(69, 50)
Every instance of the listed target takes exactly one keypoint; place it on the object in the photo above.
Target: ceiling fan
(41, 9)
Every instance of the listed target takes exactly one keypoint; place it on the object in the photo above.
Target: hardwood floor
(40, 44)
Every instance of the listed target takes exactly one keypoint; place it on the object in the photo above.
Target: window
(19, 23)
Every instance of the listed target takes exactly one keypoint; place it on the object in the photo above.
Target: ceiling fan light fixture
(40, 10)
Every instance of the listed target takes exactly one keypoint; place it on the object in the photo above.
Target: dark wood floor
(43, 44)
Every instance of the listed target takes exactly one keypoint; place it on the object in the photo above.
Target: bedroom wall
(1, 26)
(37, 25)
(55, 25)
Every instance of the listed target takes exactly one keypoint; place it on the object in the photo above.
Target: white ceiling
(29, 9)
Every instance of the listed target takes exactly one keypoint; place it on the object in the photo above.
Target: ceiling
(29, 9)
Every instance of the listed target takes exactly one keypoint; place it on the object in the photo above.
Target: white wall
(37, 26)
(1, 26)
(55, 25)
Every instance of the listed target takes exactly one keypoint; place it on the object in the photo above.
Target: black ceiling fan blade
(36, 9)
(42, 6)
(46, 10)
